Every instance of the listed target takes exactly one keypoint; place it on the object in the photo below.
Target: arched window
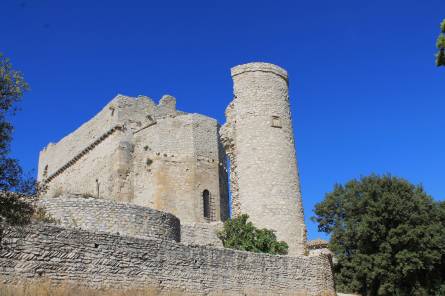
(206, 203)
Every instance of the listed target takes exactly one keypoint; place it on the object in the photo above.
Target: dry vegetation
(44, 288)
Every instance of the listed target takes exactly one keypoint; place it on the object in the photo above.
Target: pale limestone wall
(204, 234)
(104, 260)
(259, 141)
(139, 152)
(319, 246)
(174, 162)
(55, 156)
(93, 174)
(100, 215)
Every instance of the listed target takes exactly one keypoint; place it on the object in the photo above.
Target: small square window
(276, 121)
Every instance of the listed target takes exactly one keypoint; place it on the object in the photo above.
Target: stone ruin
(140, 190)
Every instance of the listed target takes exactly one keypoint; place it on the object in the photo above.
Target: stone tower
(259, 141)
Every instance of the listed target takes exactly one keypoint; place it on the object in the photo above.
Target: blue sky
(365, 94)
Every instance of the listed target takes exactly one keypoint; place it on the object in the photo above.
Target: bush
(241, 235)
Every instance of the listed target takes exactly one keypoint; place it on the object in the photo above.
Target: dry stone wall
(104, 260)
(100, 215)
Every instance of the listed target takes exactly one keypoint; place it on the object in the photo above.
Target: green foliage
(240, 234)
(387, 235)
(440, 58)
(440, 43)
(15, 189)
(12, 86)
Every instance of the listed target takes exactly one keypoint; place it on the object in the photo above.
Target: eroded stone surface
(205, 234)
(104, 260)
(259, 141)
(138, 152)
(138, 160)
(101, 215)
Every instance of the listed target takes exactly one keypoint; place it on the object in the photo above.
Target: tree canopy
(240, 234)
(440, 43)
(387, 235)
(13, 186)
(12, 87)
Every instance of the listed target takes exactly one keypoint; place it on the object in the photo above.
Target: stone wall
(142, 153)
(106, 216)
(204, 234)
(104, 260)
(174, 162)
(259, 141)
(319, 246)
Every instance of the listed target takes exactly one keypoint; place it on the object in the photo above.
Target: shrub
(239, 234)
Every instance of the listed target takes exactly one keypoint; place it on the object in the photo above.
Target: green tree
(440, 43)
(240, 234)
(13, 186)
(387, 235)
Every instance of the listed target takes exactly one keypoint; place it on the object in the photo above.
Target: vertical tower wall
(259, 140)
(175, 161)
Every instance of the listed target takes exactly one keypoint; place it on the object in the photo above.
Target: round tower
(259, 141)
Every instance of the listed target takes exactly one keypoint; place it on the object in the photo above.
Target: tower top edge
(259, 67)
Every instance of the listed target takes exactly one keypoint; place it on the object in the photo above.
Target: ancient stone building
(145, 154)
(259, 141)
(118, 184)
(155, 156)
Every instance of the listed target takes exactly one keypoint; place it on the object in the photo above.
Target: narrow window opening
(97, 188)
(206, 203)
(276, 122)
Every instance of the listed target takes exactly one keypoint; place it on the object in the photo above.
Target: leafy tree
(14, 187)
(440, 43)
(240, 234)
(387, 235)
(12, 86)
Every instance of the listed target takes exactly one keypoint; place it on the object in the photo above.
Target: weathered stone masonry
(259, 141)
(100, 215)
(105, 260)
(119, 183)
(146, 154)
